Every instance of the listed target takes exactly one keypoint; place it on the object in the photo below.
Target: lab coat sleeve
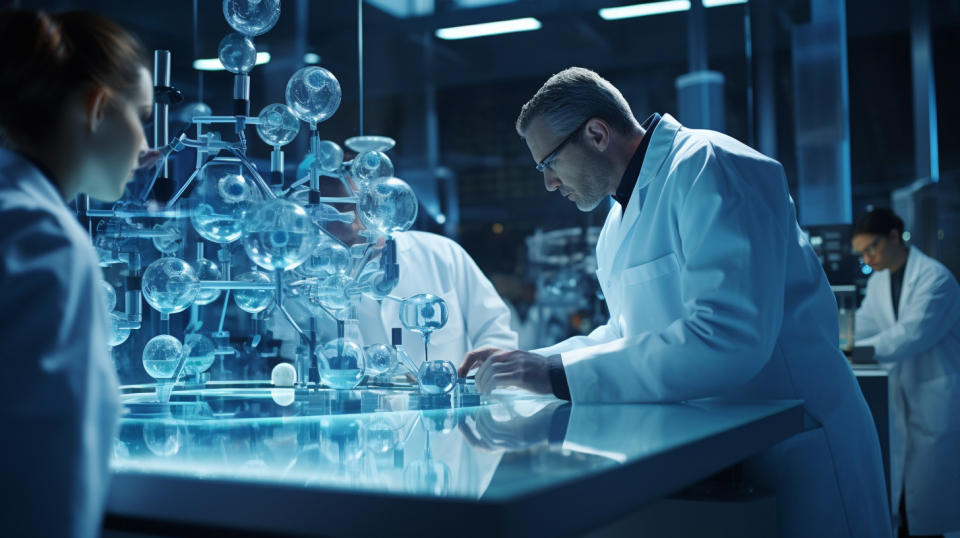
(733, 224)
(600, 335)
(867, 324)
(923, 322)
(486, 316)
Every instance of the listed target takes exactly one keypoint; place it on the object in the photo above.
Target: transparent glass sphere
(283, 375)
(277, 125)
(161, 356)
(237, 53)
(278, 235)
(162, 437)
(328, 258)
(109, 295)
(437, 377)
(219, 200)
(370, 165)
(253, 301)
(329, 156)
(341, 363)
(333, 292)
(423, 313)
(201, 354)
(206, 270)
(118, 334)
(379, 434)
(381, 359)
(170, 285)
(170, 241)
(387, 205)
(314, 94)
(251, 17)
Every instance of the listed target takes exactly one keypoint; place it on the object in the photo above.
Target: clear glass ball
(109, 295)
(333, 292)
(220, 199)
(237, 53)
(118, 334)
(387, 205)
(161, 356)
(283, 375)
(369, 166)
(329, 156)
(328, 258)
(381, 359)
(253, 301)
(201, 354)
(423, 313)
(206, 270)
(314, 94)
(437, 377)
(170, 285)
(277, 125)
(341, 363)
(251, 17)
(162, 437)
(278, 235)
(170, 241)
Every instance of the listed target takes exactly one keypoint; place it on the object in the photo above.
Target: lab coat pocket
(650, 295)
(934, 404)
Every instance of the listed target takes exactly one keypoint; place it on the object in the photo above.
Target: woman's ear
(95, 105)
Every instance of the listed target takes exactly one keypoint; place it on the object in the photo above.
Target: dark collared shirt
(630, 176)
(896, 285)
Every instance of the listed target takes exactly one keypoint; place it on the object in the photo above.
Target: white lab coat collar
(661, 144)
(910, 275)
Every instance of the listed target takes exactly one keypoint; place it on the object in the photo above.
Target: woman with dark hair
(911, 317)
(73, 91)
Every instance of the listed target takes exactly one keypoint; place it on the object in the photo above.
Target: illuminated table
(368, 462)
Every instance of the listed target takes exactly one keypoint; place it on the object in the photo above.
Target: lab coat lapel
(661, 144)
(915, 263)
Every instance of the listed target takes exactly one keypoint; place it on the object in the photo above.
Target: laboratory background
(257, 401)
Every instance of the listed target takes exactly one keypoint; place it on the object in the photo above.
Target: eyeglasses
(870, 249)
(547, 161)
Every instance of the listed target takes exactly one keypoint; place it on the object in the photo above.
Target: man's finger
(475, 358)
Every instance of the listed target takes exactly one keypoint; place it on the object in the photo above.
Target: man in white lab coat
(911, 317)
(713, 292)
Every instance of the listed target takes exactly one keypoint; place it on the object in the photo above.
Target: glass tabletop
(394, 441)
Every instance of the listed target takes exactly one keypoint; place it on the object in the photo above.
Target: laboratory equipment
(170, 285)
(283, 375)
(118, 332)
(206, 270)
(161, 356)
(381, 359)
(257, 299)
(341, 363)
(278, 235)
(277, 125)
(846, 315)
(251, 17)
(201, 353)
(423, 313)
(370, 165)
(314, 94)
(437, 377)
(237, 53)
(109, 295)
(387, 205)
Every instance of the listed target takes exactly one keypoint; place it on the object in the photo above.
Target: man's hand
(501, 368)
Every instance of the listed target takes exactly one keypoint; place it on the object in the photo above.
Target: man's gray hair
(573, 96)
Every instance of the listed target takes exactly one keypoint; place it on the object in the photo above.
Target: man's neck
(630, 146)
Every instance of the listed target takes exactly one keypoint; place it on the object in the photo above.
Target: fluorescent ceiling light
(213, 64)
(643, 10)
(489, 28)
(717, 3)
(311, 58)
